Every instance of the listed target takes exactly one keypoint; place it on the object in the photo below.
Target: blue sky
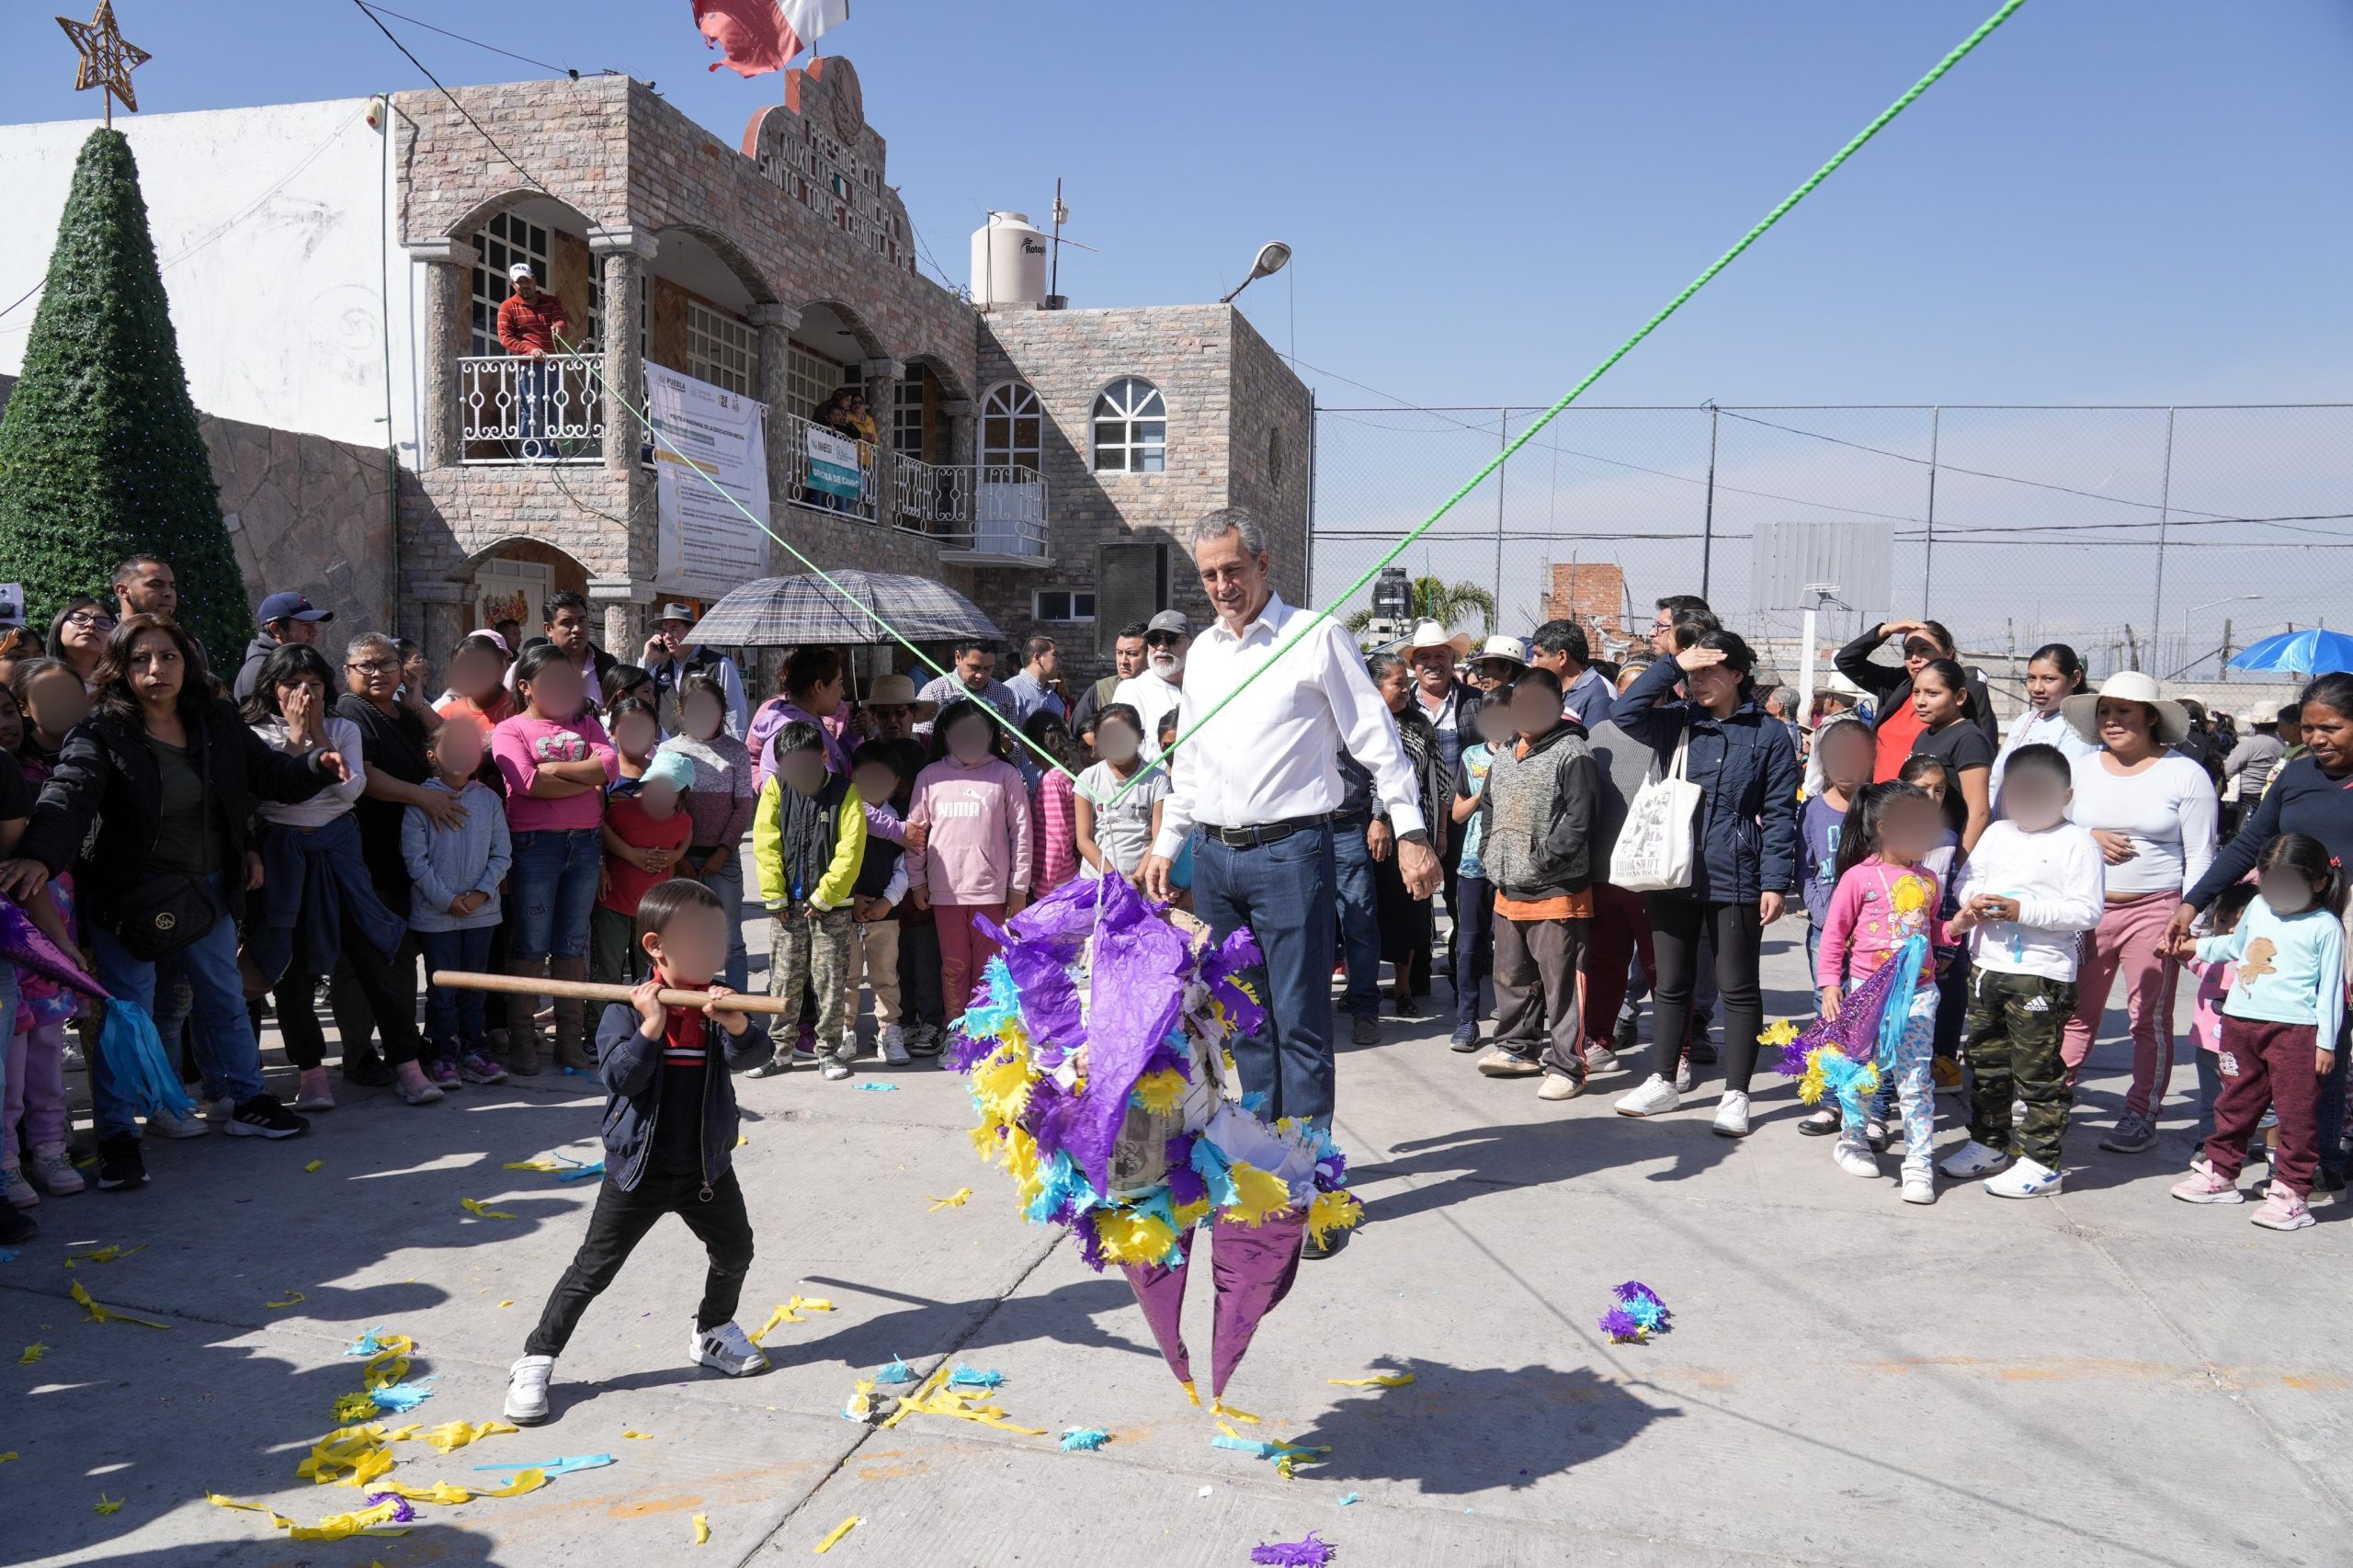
(2113, 202)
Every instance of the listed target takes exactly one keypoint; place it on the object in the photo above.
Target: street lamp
(2230, 600)
(1273, 256)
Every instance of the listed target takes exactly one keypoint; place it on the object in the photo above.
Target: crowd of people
(336, 821)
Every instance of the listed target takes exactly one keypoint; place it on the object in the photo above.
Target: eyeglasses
(374, 666)
(90, 620)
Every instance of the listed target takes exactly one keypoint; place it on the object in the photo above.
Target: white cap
(521, 269)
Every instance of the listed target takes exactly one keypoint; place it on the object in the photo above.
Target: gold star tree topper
(108, 59)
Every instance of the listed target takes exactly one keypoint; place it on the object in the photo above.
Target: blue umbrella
(2312, 652)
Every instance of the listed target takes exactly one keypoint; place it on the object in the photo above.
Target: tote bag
(1655, 848)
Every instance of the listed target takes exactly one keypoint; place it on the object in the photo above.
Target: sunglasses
(1163, 640)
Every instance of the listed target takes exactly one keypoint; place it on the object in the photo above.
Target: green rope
(1854, 146)
(1775, 216)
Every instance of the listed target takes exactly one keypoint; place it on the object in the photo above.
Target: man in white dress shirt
(1257, 787)
(1156, 689)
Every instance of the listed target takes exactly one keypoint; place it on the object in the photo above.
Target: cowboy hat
(1500, 646)
(2082, 710)
(1430, 635)
(898, 691)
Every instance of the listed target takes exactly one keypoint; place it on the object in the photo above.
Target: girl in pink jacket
(976, 861)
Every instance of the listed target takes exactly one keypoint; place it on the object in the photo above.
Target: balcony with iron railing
(551, 410)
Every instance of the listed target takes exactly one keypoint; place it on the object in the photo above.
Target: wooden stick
(591, 991)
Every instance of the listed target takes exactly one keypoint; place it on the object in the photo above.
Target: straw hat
(898, 691)
(1430, 635)
(2082, 710)
(1505, 647)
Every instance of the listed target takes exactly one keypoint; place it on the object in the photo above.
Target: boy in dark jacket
(1536, 843)
(669, 1140)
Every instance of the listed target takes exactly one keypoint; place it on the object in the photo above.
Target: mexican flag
(759, 36)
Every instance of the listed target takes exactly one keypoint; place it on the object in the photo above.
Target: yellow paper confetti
(525, 1481)
(953, 1200)
(454, 1435)
(833, 1537)
(790, 1312)
(9, 1455)
(106, 1504)
(112, 1253)
(1386, 1381)
(741, 1139)
(315, 1167)
(1219, 1408)
(32, 1354)
(479, 1210)
(532, 1165)
(108, 1314)
(293, 1298)
(508, 1302)
(641, 1437)
(702, 1530)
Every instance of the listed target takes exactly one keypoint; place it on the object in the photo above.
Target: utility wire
(532, 179)
(428, 26)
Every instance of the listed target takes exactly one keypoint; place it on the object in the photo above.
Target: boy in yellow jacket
(808, 840)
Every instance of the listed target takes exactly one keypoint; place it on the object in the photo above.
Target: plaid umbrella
(775, 612)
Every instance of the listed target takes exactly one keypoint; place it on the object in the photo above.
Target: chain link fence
(2151, 538)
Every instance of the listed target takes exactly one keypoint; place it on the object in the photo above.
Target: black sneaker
(1703, 1050)
(1330, 1245)
(263, 1117)
(1623, 1036)
(120, 1164)
(367, 1072)
(17, 1227)
(1466, 1038)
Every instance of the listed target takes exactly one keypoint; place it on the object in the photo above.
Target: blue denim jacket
(1748, 778)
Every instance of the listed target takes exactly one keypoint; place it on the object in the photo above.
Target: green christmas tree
(99, 454)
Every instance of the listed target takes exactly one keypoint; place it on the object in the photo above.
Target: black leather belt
(1263, 832)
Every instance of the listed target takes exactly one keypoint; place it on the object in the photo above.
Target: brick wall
(1593, 593)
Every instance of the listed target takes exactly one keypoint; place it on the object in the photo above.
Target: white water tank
(1008, 263)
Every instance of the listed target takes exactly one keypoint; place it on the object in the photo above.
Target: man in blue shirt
(1033, 687)
(1560, 646)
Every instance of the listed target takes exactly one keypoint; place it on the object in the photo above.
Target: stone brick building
(1593, 593)
(1046, 462)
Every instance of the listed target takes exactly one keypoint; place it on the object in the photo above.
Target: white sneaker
(850, 1050)
(52, 1170)
(1972, 1160)
(895, 1047)
(217, 1112)
(1854, 1156)
(1732, 1115)
(728, 1348)
(833, 1069)
(1684, 1078)
(2026, 1178)
(1655, 1097)
(527, 1389)
(1919, 1183)
(164, 1124)
(1600, 1059)
(16, 1189)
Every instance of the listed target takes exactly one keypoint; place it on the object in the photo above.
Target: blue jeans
(1285, 892)
(225, 1046)
(553, 885)
(1475, 924)
(453, 1018)
(728, 883)
(1358, 913)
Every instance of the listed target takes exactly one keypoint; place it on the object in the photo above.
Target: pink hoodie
(979, 821)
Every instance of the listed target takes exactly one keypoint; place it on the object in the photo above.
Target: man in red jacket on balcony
(532, 325)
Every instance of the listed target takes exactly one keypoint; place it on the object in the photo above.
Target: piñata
(1844, 1058)
(1096, 1050)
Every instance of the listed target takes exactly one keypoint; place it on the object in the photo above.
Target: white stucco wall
(271, 228)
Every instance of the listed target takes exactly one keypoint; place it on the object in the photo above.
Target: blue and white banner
(710, 440)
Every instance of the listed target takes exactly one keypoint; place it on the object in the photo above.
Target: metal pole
(1311, 423)
(1708, 518)
(1503, 441)
(2164, 512)
(1805, 659)
(1929, 561)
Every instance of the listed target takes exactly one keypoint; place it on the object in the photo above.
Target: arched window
(1012, 428)
(1130, 428)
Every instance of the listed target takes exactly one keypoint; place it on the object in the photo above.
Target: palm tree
(1444, 602)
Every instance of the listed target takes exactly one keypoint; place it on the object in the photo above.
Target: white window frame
(1070, 597)
(906, 417)
(1003, 411)
(722, 350)
(809, 380)
(1130, 428)
(505, 239)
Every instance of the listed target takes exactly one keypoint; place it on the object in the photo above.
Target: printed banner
(832, 464)
(704, 546)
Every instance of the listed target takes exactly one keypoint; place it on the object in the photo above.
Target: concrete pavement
(2109, 1377)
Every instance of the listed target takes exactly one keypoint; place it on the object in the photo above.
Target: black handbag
(167, 912)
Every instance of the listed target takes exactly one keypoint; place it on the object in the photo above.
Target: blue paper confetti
(555, 1467)
(366, 1344)
(976, 1377)
(898, 1371)
(396, 1398)
(1347, 1498)
(1088, 1439)
(7, 1254)
(584, 1173)
(879, 1088)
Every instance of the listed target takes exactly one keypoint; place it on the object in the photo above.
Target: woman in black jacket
(168, 773)
(1893, 720)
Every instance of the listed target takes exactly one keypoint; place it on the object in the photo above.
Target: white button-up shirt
(1150, 697)
(1273, 754)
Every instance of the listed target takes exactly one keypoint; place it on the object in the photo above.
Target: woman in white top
(2152, 812)
(317, 905)
(2053, 675)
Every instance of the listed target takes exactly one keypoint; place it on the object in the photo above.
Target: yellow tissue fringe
(109, 1315)
(1257, 1195)
(702, 1529)
(1161, 1090)
(833, 1536)
(1386, 1381)
(1333, 1212)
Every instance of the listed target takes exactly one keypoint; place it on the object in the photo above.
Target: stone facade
(1230, 401)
